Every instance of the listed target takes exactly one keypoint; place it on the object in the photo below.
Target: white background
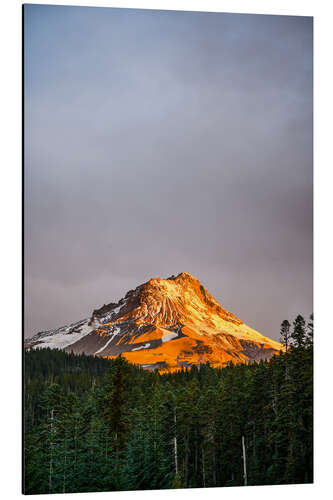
(10, 246)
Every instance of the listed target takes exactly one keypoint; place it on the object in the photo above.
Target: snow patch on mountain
(108, 316)
(112, 336)
(141, 347)
(169, 336)
(63, 337)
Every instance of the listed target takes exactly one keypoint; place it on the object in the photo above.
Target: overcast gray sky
(158, 142)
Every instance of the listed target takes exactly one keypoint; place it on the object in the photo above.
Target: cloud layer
(158, 142)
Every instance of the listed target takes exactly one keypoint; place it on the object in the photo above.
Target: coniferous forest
(93, 424)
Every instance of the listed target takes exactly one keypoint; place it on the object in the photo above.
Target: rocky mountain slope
(163, 324)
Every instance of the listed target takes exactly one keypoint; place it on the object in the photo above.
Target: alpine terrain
(163, 324)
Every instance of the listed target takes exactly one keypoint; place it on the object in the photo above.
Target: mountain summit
(163, 324)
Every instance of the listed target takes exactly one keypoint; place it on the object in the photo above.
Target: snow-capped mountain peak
(163, 324)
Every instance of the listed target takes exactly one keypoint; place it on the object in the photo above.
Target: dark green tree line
(100, 425)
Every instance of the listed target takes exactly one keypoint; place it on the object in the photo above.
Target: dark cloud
(160, 142)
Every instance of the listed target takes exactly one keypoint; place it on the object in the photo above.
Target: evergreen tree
(298, 335)
(309, 331)
(285, 334)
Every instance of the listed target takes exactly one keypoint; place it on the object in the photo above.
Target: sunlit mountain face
(163, 324)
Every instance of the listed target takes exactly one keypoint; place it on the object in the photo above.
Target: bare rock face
(163, 324)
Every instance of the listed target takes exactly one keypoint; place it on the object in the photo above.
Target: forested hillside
(93, 424)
